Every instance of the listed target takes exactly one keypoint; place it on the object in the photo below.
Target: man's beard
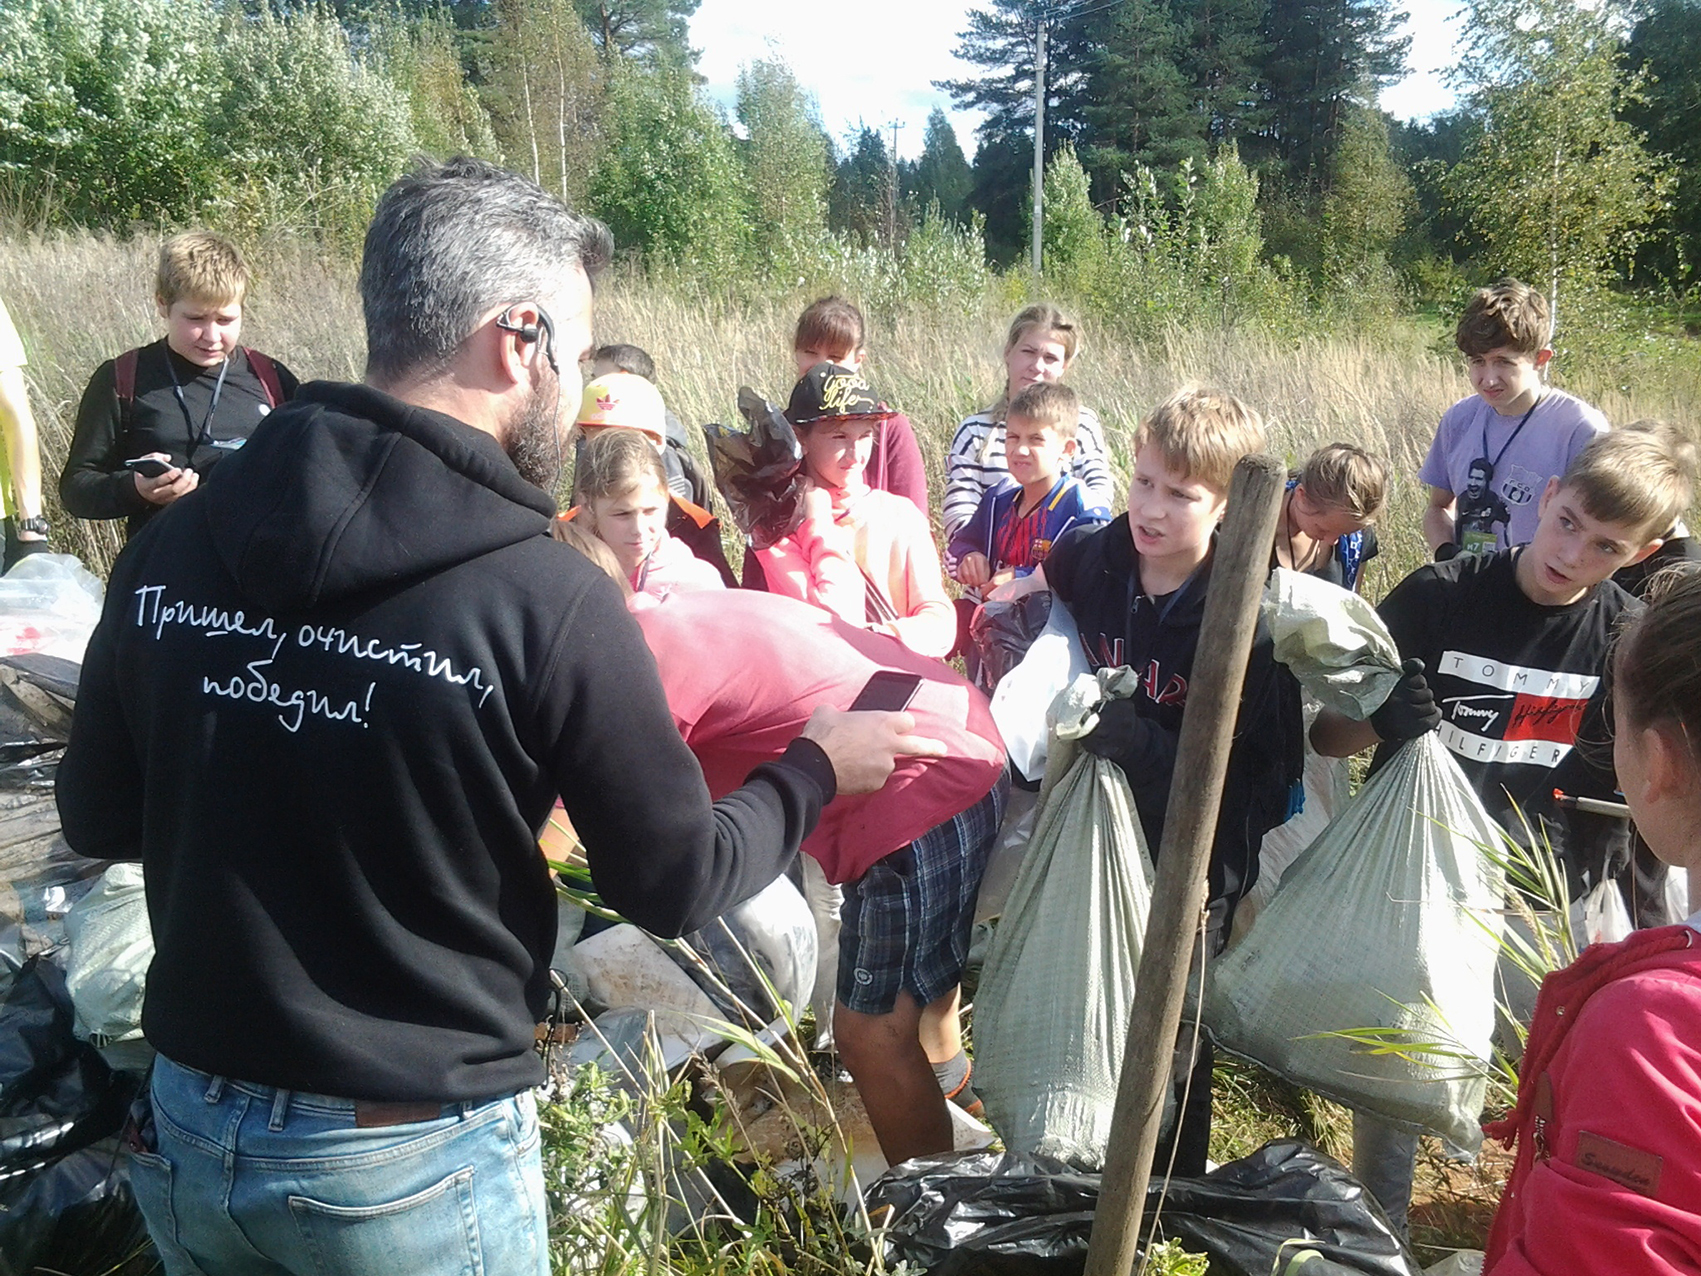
(532, 443)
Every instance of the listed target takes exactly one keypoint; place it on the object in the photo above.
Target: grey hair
(450, 242)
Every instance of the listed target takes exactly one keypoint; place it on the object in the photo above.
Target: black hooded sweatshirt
(1094, 572)
(329, 705)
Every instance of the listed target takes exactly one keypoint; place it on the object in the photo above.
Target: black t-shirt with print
(1521, 693)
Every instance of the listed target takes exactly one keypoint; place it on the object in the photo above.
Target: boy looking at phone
(155, 422)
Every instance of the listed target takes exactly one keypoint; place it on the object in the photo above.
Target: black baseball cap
(829, 392)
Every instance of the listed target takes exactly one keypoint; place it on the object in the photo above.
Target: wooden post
(1195, 794)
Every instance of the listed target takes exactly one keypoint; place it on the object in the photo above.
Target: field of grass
(80, 300)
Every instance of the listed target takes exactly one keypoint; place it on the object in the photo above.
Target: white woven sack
(1391, 919)
(1051, 1015)
(111, 947)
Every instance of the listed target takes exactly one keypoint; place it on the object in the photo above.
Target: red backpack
(124, 379)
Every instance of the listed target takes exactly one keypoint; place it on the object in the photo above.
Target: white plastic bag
(1389, 921)
(1024, 697)
(1051, 1015)
(1332, 640)
(111, 947)
(49, 603)
(1604, 916)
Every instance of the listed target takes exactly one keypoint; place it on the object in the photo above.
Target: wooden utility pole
(1039, 144)
(1178, 896)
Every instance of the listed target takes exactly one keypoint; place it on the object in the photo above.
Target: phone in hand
(888, 691)
(148, 466)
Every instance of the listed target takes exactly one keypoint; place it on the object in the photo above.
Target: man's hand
(864, 747)
(173, 485)
(974, 569)
(1020, 586)
(1410, 709)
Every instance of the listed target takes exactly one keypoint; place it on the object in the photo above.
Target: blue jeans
(255, 1181)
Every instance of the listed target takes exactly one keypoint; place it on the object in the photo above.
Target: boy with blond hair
(1136, 588)
(1494, 452)
(1505, 656)
(155, 422)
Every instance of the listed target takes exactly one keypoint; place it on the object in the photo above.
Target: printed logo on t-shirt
(1521, 486)
(1521, 715)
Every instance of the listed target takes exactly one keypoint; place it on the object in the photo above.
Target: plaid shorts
(906, 922)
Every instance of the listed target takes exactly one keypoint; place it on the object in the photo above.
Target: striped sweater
(976, 464)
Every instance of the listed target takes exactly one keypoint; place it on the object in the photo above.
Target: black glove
(26, 548)
(1121, 733)
(1410, 709)
(1445, 551)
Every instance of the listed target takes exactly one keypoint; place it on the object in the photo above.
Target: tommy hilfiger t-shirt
(1518, 684)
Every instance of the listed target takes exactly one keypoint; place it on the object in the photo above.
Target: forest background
(1223, 198)
(1223, 201)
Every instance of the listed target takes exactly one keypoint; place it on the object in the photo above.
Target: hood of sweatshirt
(347, 490)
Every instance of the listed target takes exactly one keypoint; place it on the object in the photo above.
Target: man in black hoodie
(329, 706)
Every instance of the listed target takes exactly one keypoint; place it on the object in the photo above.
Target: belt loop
(467, 1107)
(215, 1090)
(280, 1108)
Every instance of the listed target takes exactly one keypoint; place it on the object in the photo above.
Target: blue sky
(874, 60)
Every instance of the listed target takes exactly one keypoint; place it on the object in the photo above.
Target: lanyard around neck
(204, 434)
(1494, 461)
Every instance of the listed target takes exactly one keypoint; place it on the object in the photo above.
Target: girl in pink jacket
(865, 555)
(1608, 1119)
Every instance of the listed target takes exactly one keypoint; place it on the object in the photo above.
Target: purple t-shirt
(1559, 428)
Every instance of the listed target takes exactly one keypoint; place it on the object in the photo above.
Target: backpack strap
(124, 379)
(267, 372)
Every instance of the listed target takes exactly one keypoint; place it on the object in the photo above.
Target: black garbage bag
(985, 1214)
(76, 1215)
(65, 1202)
(1002, 632)
(760, 473)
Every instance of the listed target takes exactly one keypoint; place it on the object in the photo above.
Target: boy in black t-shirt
(1505, 655)
(1136, 589)
(179, 406)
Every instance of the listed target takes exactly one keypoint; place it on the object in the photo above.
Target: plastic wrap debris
(773, 928)
(49, 603)
(1008, 1215)
(1002, 633)
(1604, 918)
(625, 968)
(1332, 640)
(1046, 1065)
(1005, 861)
(759, 473)
(1022, 703)
(65, 1201)
(106, 969)
(1414, 917)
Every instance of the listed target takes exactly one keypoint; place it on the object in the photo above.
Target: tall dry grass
(81, 299)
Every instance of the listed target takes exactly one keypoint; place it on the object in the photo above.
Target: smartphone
(148, 466)
(888, 690)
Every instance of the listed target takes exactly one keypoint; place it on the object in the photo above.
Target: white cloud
(871, 62)
(1434, 28)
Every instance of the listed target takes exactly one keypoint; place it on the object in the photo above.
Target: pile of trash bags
(1286, 1208)
(65, 1199)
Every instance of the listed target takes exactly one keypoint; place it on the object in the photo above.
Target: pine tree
(1323, 56)
(1221, 53)
(1139, 103)
(862, 200)
(648, 30)
(941, 175)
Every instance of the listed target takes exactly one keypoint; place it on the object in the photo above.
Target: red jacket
(743, 670)
(1608, 1121)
